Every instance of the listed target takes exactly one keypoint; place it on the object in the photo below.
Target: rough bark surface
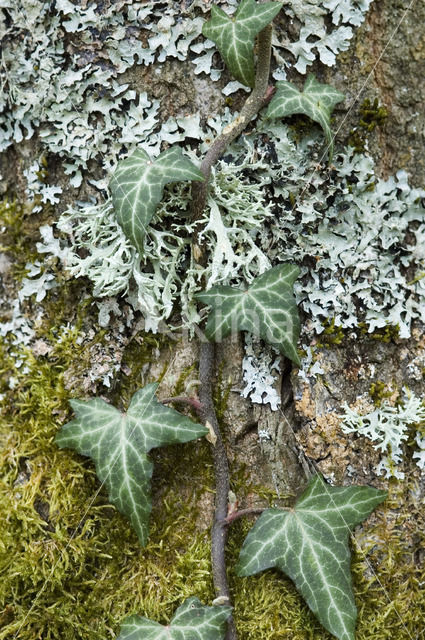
(386, 60)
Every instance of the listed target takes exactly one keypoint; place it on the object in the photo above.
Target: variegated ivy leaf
(137, 185)
(316, 101)
(267, 308)
(118, 444)
(235, 35)
(310, 544)
(191, 620)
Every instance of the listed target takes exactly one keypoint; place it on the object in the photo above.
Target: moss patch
(73, 566)
(387, 573)
(371, 115)
(379, 391)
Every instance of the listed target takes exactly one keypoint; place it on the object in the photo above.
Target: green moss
(371, 115)
(387, 334)
(378, 391)
(332, 334)
(20, 228)
(180, 384)
(74, 567)
(387, 571)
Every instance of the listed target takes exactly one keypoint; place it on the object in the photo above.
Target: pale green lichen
(388, 428)
(166, 272)
(356, 234)
(261, 366)
(71, 93)
(325, 31)
(73, 573)
(69, 86)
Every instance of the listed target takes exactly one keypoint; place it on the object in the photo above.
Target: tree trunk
(74, 568)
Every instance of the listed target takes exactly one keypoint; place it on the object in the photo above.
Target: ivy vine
(308, 542)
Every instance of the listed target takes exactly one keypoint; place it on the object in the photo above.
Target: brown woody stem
(260, 95)
(222, 481)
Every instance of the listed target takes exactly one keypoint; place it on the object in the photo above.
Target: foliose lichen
(63, 63)
(361, 236)
(388, 427)
(261, 366)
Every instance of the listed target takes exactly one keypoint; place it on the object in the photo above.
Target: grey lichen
(361, 237)
(325, 29)
(360, 244)
(62, 66)
(387, 427)
(261, 368)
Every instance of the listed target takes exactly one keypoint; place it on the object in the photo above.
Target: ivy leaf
(267, 308)
(137, 185)
(191, 620)
(310, 544)
(118, 444)
(235, 35)
(317, 101)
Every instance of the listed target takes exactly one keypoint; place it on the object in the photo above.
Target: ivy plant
(235, 35)
(265, 308)
(118, 443)
(137, 186)
(308, 542)
(316, 101)
(192, 621)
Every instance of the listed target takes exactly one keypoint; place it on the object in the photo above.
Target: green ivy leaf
(235, 35)
(137, 185)
(191, 620)
(267, 308)
(316, 101)
(118, 444)
(310, 544)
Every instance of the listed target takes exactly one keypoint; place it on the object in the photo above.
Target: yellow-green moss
(371, 115)
(332, 334)
(300, 125)
(387, 334)
(20, 228)
(73, 566)
(179, 387)
(378, 391)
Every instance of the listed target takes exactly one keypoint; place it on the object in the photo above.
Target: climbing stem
(259, 97)
(222, 483)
